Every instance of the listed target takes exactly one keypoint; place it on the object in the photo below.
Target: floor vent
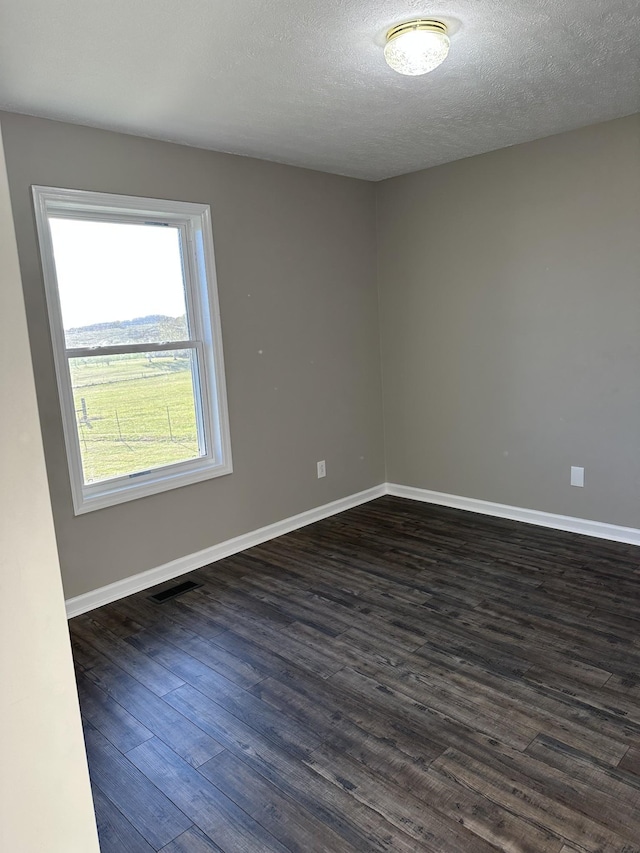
(173, 591)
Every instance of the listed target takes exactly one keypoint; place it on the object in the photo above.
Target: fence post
(118, 422)
(170, 430)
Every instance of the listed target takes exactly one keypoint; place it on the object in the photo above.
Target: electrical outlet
(322, 469)
(577, 477)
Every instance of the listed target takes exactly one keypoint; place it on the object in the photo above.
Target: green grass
(140, 413)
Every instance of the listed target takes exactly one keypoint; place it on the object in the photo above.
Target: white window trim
(198, 253)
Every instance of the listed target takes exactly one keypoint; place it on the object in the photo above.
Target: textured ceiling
(305, 82)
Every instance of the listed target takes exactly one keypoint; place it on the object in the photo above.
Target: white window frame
(194, 222)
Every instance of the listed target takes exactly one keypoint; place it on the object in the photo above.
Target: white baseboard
(191, 562)
(631, 535)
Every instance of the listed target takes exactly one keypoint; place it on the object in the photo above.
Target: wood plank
(560, 786)
(174, 613)
(440, 709)
(530, 707)
(115, 832)
(189, 741)
(191, 841)
(211, 810)
(419, 817)
(214, 656)
(396, 751)
(529, 804)
(272, 637)
(119, 727)
(631, 762)
(155, 677)
(243, 705)
(361, 827)
(154, 816)
(584, 767)
(286, 819)
(84, 654)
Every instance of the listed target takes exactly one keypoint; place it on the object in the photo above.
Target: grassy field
(133, 413)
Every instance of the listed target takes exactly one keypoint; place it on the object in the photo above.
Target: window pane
(135, 412)
(119, 283)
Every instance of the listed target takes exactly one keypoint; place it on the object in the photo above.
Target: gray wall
(295, 254)
(510, 308)
(509, 288)
(45, 798)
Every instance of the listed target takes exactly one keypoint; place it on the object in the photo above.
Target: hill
(153, 327)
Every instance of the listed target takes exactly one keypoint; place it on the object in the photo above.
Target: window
(133, 310)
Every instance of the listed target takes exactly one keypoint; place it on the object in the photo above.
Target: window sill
(130, 491)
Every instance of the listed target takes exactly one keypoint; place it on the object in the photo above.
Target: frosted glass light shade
(417, 47)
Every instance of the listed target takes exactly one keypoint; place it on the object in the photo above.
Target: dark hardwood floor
(400, 677)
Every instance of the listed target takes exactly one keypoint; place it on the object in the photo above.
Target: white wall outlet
(322, 469)
(577, 476)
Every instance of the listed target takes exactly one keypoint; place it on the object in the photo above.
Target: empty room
(320, 455)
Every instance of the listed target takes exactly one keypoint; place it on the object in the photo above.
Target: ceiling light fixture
(416, 47)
